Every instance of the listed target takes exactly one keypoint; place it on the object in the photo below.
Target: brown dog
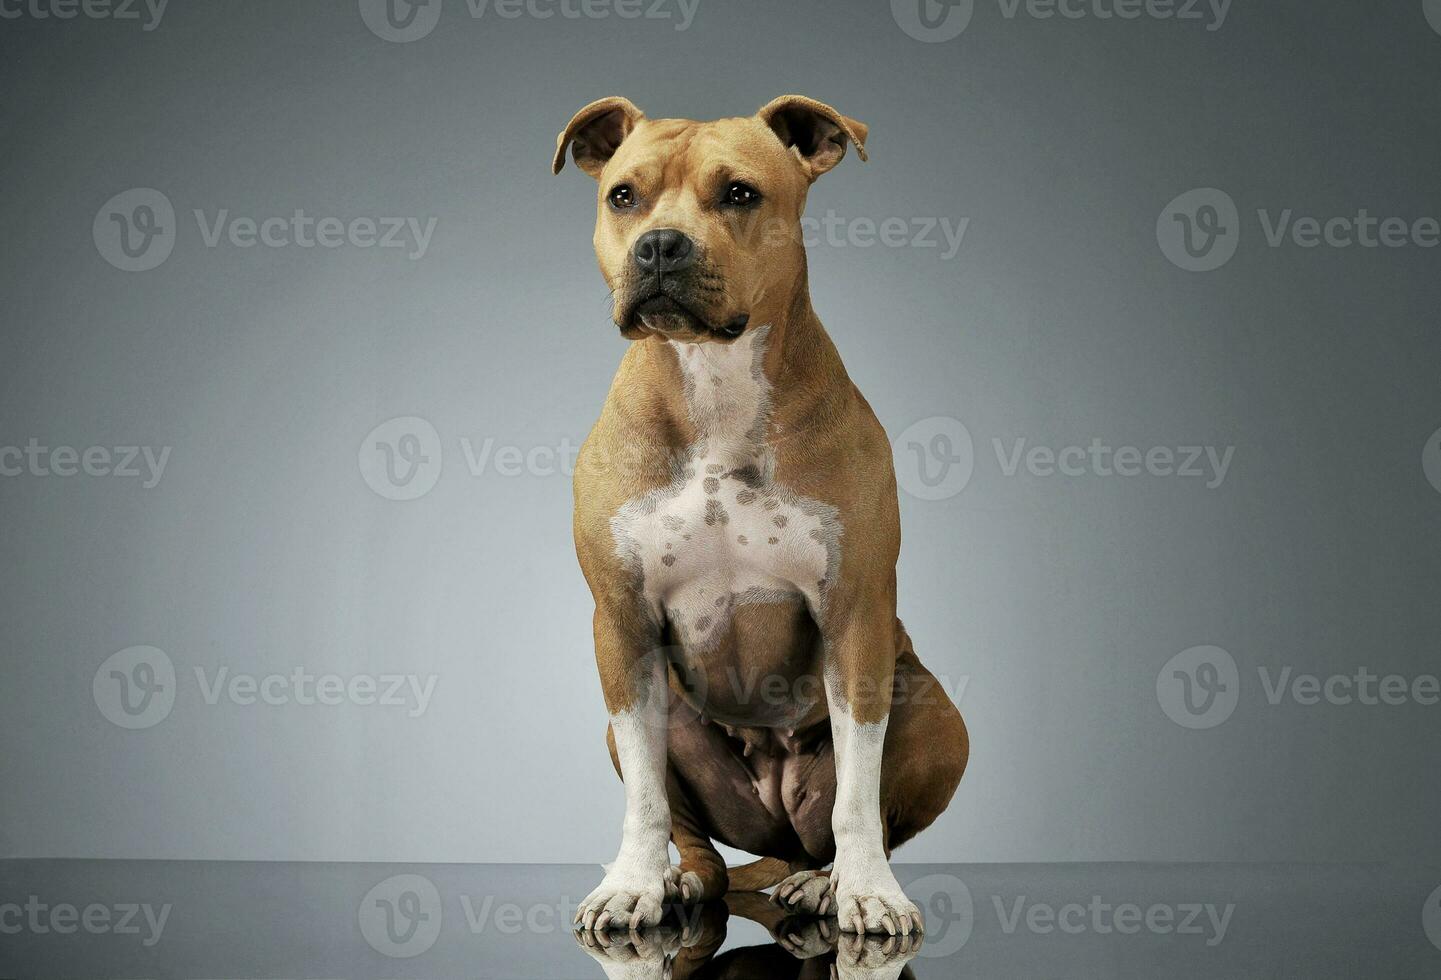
(736, 520)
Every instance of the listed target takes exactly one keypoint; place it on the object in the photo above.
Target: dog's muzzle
(667, 289)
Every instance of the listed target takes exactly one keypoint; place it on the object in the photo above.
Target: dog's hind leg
(702, 869)
(927, 748)
(925, 754)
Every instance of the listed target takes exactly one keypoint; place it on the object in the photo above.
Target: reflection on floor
(108, 920)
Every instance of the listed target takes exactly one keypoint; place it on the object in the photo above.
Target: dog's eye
(622, 196)
(741, 195)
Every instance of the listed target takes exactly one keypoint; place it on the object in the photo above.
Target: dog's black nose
(663, 250)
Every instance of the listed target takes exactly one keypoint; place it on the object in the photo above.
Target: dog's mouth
(659, 311)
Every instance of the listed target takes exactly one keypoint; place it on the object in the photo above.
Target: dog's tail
(758, 875)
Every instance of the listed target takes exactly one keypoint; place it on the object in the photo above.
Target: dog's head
(698, 223)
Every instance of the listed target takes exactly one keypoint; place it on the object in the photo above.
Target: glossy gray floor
(108, 920)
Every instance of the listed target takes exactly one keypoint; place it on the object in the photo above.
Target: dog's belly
(759, 668)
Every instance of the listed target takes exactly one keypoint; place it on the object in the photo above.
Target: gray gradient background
(1060, 320)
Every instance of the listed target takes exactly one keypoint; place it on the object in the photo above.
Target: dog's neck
(778, 380)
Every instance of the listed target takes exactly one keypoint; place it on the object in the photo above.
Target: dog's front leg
(633, 677)
(860, 666)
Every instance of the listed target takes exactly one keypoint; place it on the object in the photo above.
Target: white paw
(868, 899)
(632, 956)
(626, 899)
(874, 957)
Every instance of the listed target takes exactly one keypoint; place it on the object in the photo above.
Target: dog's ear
(596, 132)
(815, 132)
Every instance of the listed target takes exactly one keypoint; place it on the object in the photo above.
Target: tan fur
(830, 445)
(825, 441)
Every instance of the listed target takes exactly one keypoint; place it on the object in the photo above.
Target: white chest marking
(724, 532)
